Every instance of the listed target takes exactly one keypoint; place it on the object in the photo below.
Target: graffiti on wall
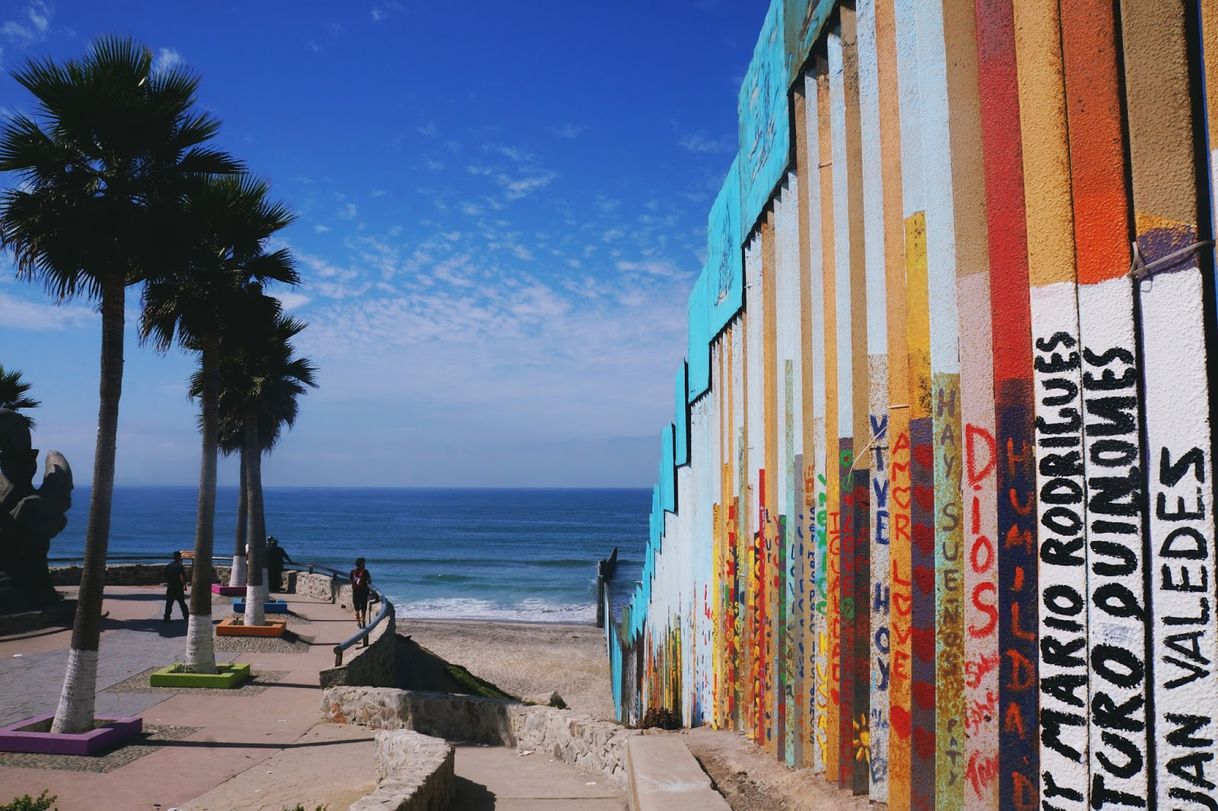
(935, 513)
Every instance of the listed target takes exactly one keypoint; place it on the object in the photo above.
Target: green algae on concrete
(227, 676)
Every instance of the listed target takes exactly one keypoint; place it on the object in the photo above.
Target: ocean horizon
(437, 552)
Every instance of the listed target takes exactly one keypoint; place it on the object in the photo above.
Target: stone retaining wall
(315, 586)
(375, 664)
(576, 738)
(128, 574)
(414, 773)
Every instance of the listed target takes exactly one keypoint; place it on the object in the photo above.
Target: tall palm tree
(229, 221)
(262, 380)
(277, 413)
(231, 441)
(13, 394)
(112, 145)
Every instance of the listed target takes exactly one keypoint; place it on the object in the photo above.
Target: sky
(501, 208)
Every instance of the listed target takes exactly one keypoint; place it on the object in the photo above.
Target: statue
(29, 517)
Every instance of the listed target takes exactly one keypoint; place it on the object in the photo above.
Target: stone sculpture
(29, 517)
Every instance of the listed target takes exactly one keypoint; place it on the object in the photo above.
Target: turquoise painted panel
(724, 282)
(765, 139)
(668, 479)
(681, 420)
(803, 21)
(699, 339)
(657, 530)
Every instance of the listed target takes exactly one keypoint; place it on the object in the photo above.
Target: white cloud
(653, 267)
(700, 144)
(519, 187)
(166, 59)
(434, 165)
(512, 153)
(30, 26)
(293, 301)
(320, 228)
(42, 316)
(347, 212)
(383, 11)
(570, 131)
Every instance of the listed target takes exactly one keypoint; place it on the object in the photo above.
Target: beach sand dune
(528, 659)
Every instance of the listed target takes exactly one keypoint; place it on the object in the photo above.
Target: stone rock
(576, 738)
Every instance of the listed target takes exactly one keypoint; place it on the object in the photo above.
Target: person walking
(175, 586)
(361, 588)
(275, 557)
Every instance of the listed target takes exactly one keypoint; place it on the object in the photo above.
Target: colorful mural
(935, 513)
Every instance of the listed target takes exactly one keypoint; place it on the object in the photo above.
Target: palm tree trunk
(76, 701)
(200, 637)
(237, 574)
(256, 586)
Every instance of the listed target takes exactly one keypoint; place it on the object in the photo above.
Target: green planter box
(228, 676)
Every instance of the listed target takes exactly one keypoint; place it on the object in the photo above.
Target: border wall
(934, 515)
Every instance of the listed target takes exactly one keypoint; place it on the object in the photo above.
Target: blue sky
(501, 209)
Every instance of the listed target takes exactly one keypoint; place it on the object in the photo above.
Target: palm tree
(231, 441)
(277, 413)
(13, 391)
(113, 145)
(262, 381)
(229, 221)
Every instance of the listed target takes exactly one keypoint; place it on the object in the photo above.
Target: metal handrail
(386, 614)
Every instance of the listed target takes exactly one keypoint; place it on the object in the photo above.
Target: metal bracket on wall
(1141, 269)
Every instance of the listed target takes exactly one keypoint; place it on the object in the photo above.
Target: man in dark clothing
(361, 588)
(175, 586)
(275, 557)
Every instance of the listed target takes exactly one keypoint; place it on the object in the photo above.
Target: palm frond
(14, 394)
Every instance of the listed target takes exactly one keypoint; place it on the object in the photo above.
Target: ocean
(437, 553)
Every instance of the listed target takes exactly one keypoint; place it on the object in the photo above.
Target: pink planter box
(228, 591)
(15, 738)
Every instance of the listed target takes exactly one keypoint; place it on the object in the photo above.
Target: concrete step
(664, 776)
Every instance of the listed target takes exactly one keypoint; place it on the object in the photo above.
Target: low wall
(374, 665)
(128, 574)
(575, 738)
(414, 773)
(315, 586)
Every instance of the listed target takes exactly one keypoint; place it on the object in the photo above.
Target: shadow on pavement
(255, 744)
(173, 628)
(271, 684)
(58, 629)
(471, 796)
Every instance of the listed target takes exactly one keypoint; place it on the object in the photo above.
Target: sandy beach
(528, 659)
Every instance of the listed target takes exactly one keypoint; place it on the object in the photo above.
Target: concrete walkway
(494, 777)
(210, 736)
(261, 747)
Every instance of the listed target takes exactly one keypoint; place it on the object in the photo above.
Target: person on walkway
(275, 557)
(361, 588)
(175, 586)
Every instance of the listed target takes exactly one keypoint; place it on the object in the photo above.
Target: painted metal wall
(934, 517)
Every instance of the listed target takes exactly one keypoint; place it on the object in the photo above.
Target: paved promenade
(200, 738)
(261, 747)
